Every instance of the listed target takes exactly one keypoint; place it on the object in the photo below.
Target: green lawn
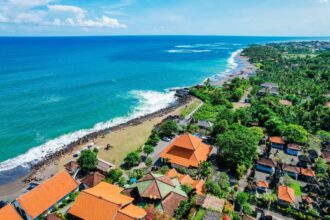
(296, 187)
(188, 109)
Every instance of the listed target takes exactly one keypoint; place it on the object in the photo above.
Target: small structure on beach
(105, 201)
(72, 166)
(92, 179)
(42, 199)
(104, 166)
(186, 151)
(9, 212)
(162, 191)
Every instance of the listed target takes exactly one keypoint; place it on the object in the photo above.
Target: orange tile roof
(199, 187)
(133, 211)
(186, 179)
(186, 150)
(9, 212)
(276, 139)
(262, 183)
(91, 205)
(286, 193)
(307, 172)
(110, 192)
(47, 194)
(172, 173)
(307, 199)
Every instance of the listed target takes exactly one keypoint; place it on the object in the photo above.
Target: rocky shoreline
(182, 99)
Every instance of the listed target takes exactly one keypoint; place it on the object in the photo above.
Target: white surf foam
(149, 102)
(188, 51)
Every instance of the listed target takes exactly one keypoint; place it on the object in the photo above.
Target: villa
(293, 149)
(186, 151)
(41, 200)
(71, 167)
(162, 191)
(276, 142)
(9, 212)
(197, 185)
(286, 195)
(262, 186)
(266, 165)
(307, 174)
(268, 87)
(105, 201)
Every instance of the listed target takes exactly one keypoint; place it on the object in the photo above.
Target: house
(266, 165)
(162, 191)
(197, 185)
(276, 142)
(262, 186)
(42, 199)
(9, 212)
(307, 174)
(186, 151)
(105, 201)
(104, 166)
(92, 179)
(286, 195)
(291, 170)
(268, 87)
(293, 149)
(71, 167)
(285, 102)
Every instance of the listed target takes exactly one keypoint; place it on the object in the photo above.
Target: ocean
(54, 90)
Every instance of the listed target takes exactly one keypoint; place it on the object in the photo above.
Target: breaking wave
(149, 102)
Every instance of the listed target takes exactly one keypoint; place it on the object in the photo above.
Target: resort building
(307, 174)
(186, 151)
(293, 149)
(197, 185)
(160, 190)
(105, 201)
(286, 195)
(41, 200)
(291, 170)
(268, 87)
(9, 212)
(276, 142)
(92, 179)
(285, 102)
(266, 165)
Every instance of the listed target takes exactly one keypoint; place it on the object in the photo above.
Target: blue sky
(161, 17)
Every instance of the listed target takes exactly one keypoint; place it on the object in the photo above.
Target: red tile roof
(93, 179)
(187, 150)
(171, 202)
(9, 212)
(286, 193)
(291, 168)
(262, 183)
(267, 162)
(276, 139)
(47, 194)
(71, 166)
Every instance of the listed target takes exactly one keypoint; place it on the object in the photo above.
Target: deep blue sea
(54, 90)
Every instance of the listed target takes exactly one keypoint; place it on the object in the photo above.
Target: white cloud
(324, 1)
(24, 12)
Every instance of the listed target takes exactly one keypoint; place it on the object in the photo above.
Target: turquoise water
(54, 90)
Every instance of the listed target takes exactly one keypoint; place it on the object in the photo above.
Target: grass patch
(188, 109)
(296, 187)
(200, 214)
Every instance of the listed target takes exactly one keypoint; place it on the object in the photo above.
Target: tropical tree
(132, 159)
(87, 160)
(113, 175)
(295, 133)
(205, 169)
(147, 149)
(168, 128)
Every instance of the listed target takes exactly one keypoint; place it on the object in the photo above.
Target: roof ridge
(101, 197)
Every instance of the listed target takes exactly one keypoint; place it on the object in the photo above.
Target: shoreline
(48, 166)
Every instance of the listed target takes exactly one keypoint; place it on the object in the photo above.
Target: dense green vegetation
(87, 160)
